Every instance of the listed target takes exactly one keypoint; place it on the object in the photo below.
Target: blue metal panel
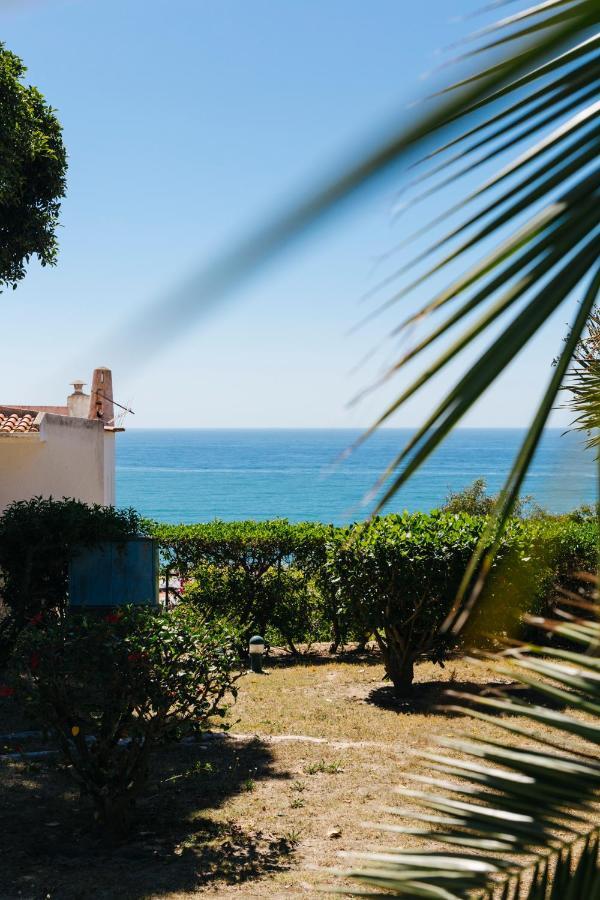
(115, 574)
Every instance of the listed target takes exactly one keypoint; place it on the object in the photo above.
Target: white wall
(109, 468)
(66, 459)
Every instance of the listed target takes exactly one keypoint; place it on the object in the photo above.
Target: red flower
(113, 618)
(37, 619)
(136, 656)
(34, 661)
(6, 691)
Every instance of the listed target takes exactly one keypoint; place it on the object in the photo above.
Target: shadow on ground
(433, 697)
(49, 849)
(321, 656)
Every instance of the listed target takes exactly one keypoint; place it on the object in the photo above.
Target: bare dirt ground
(316, 747)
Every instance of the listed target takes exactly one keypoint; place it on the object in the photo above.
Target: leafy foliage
(394, 578)
(112, 688)
(514, 817)
(37, 538)
(255, 574)
(583, 382)
(397, 577)
(585, 513)
(33, 163)
(475, 500)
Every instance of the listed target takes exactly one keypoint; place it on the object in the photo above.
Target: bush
(475, 500)
(257, 575)
(394, 578)
(112, 688)
(292, 608)
(538, 559)
(37, 538)
(585, 513)
(397, 576)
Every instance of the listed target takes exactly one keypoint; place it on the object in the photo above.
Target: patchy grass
(315, 748)
(331, 768)
(349, 701)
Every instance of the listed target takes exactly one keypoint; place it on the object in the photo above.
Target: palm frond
(545, 79)
(525, 242)
(583, 383)
(507, 819)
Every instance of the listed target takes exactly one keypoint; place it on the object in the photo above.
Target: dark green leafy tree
(474, 499)
(33, 164)
(396, 576)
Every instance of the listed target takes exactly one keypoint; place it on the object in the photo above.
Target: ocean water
(195, 475)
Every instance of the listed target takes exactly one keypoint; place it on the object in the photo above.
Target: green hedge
(261, 576)
(37, 539)
(393, 578)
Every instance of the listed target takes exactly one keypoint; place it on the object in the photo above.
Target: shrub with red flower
(6, 690)
(129, 681)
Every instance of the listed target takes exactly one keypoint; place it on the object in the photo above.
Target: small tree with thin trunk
(397, 576)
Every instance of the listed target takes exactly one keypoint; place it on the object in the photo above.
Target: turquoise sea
(194, 475)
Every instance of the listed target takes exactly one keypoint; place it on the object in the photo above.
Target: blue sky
(185, 123)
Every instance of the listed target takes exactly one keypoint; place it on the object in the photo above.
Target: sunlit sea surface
(196, 475)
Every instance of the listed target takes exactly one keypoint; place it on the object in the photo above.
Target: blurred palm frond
(514, 818)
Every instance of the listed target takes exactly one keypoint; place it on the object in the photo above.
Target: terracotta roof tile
(33, 407)
(16, 421)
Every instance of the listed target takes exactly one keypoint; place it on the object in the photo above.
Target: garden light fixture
(256, 649)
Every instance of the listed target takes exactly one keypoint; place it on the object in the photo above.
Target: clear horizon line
(327, 428)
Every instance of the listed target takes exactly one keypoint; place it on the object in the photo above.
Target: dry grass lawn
(316, 747)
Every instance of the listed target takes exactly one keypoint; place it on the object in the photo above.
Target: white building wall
(66, 459)
(109, 468)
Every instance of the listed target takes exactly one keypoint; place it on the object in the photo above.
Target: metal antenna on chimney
(114, 402)
(120, 416)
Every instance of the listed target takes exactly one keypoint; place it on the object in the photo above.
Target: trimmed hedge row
(392, 579)
(260, 576)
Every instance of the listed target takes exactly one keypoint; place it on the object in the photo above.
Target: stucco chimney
(101, 402)
(78, 402)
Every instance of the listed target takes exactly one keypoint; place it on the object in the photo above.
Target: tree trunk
(401, 674)
(336, 637)
(399, 662)
(115, 815)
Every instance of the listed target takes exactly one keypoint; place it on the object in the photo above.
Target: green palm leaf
(583, 383)
(507, 819)
(533, 85)
(526, 241)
